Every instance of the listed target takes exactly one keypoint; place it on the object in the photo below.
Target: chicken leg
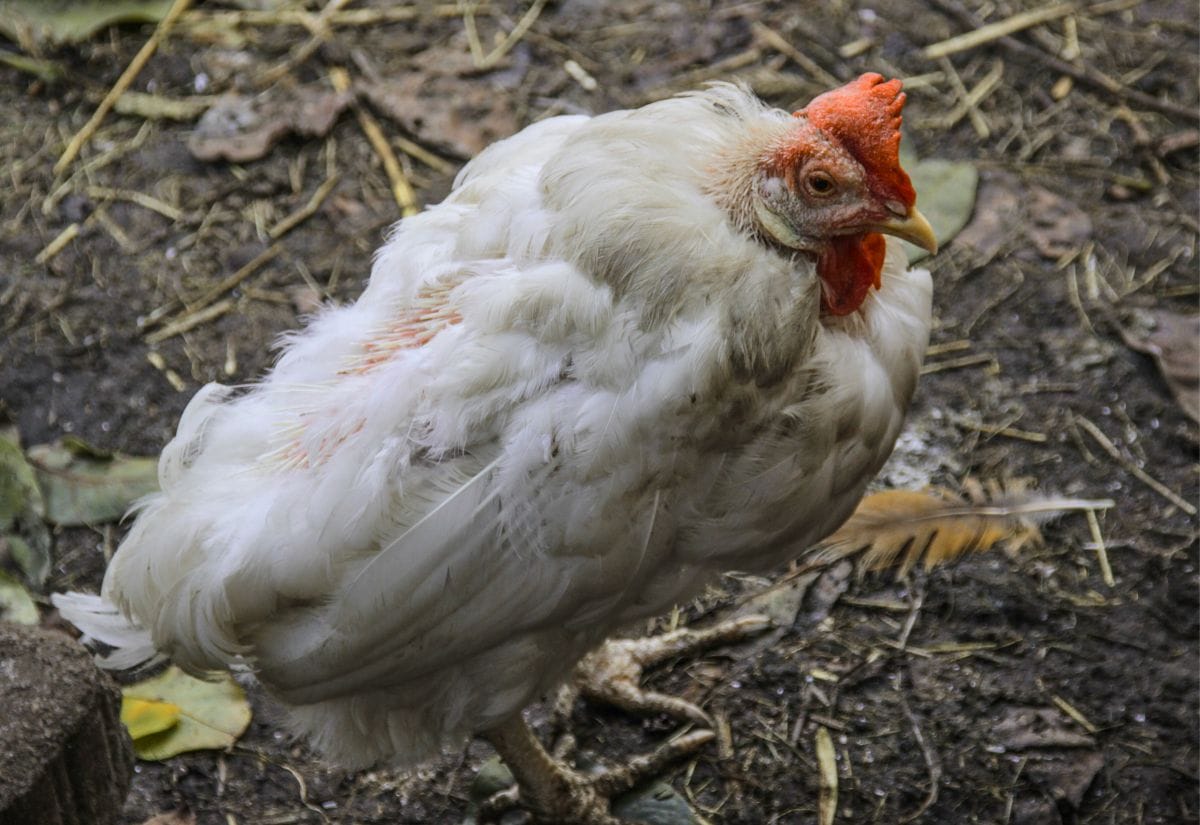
(557, 795)
(554, 793)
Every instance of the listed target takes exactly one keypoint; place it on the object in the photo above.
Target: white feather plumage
(570, 395)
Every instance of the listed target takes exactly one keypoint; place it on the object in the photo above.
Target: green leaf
(19, 492)
(55, 22)
(211, 714)
(945, 195)
(82, 488)
(23, 533)
(16, 605)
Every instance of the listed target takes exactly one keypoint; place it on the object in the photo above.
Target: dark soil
(948, 695)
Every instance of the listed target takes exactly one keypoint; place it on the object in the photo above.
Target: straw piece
(123, 82)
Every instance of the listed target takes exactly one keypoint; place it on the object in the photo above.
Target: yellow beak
(914, 229)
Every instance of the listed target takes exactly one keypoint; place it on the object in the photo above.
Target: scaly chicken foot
(554, 794)
(612, 674)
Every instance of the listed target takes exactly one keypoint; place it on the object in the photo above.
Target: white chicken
(627, 353)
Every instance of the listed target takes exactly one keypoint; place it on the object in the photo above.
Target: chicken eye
(820, 184)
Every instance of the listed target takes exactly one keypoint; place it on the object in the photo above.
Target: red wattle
(849, 267)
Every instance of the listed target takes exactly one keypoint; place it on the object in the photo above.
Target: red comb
(864, 116)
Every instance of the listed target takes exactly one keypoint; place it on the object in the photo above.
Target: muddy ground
(1005, 688)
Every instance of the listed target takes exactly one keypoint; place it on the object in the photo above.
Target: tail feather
(102, 622)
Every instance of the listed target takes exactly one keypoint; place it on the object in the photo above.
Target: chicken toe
(554, 794)
(612, 673)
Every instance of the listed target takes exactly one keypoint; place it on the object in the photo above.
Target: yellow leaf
(143, 717)
(212, 714)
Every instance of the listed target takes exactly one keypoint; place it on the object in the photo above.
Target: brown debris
(1061, 762)
(241, 129)
(997, 219)
(463, 122)
(1057, 227)
(1023, 728)
(1173, 340)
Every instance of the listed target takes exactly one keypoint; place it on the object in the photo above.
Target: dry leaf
(1057, 227)
(1174, 341)
(82, 485)
(997, 217)
(1178, 142)
(938, 525)
(180, 817)
(434, 106)
(240, 129)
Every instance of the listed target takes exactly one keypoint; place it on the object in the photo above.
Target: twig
(1000, 429)
(190, 321)
(318, 28)
(1076, 301)
(958, 363)
(911, 621)
(931, 761)
(827, 763)
(418, 152)
(1081, 72)
(997, 30)
(776, 41)
(140, 198)
(947, 347)
(304, 212)
(304, 800)
(927, 80)
(1151, 482)
(497, 54)
(402, 190)
(60, 241)
(51, 201)
(1101, 550)
(1011, 798)
(159, 363)
(114, 229)
(1152, 273)
(580, 75)
(348, 17)
(468, 16)
(153, 107)
(231, 364)
(1070, 710)
(968, 102)
(217, 291)
(123, 82)
(722, 68)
